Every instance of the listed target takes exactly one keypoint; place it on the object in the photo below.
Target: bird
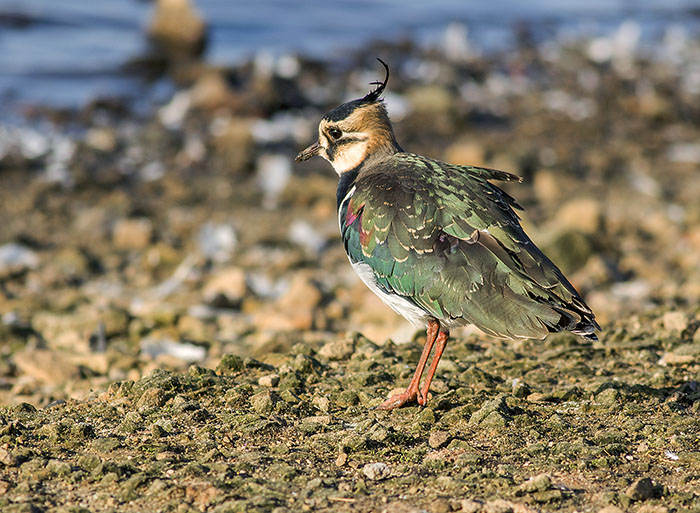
(439, 243)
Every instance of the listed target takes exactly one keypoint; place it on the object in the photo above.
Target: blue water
(70, 51)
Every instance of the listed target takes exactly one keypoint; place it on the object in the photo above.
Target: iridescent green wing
(445, 238)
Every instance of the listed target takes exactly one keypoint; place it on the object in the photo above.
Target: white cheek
(350, 157)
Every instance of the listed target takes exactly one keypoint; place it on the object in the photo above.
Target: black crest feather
(374, 94)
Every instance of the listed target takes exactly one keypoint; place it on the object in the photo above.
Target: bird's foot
(402, 398)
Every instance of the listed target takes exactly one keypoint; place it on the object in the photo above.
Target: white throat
(350, 157)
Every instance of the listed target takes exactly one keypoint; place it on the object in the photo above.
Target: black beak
(309, 152)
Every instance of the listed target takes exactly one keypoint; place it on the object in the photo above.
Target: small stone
(611, 509)
(263, 402)
(7, 459)
(608, 397)
(226, 287)
(471, 506)
(675, 321)
(438, 439)
(338, 349)
(4, 487)
(152, 398)
(229, 364)
(178, 28)
(376, 471)
(47, 366)
(341, 460)
(321, 402)
(583, 214)
(217, 241)
(642, 489)
(15, 258)
(211, 91)
(499, 506)
(466, 153)
(101, 138)
(271, 380)
(132, 233)
(539, 483)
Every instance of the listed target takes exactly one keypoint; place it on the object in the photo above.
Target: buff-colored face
(346, 143)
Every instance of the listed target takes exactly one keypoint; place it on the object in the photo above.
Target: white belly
(400, 305)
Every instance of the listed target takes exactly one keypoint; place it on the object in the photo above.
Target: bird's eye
(335, 133)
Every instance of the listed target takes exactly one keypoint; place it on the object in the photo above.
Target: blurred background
(152, 215)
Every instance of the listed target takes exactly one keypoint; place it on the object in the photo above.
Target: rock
(101, 138)
(217, 241)
(6, 458)
(152, 398)
(294, 310)
(306, 236)
(539, 483)
(73, 330)
(471, 506)
(132, 233)
(273, 174)
(582, 214)
(611, 509)
(569, 250)
(438, 439)
(376, 471)
(226, 287)
(546, 186)
(50, 367)
(229, 364)
(269, 381)
(154, 347)
(263, 402)
(642, 489)
(466, 153)
(675, 321)
(16, 258)
(233, 142)
(178, 29)
(493, 413)
(210, 92)
(338, 349)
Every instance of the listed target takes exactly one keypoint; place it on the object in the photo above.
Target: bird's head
(355, 131)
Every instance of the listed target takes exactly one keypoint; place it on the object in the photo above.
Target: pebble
(273, 174)
(270, 380)
(47, 366)
(539, 483)
(132, 233)
(338, 349)
(210, 91)
(178, 26)
(584, 214)
(675, 321)
(15, 258)
(438, 439)
(263, 402)
(217, 241)
(306, 236)
(376, 471)
(227, 286)
(642, 489)
(154, 347)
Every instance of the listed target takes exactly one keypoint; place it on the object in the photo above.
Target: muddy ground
(181, 330)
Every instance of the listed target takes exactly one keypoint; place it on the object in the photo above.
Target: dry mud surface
(180, 327)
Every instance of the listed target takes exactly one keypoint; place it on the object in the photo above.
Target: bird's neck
(345, 183)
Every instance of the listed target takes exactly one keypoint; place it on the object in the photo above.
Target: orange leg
(412, 393)
(441, 343)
